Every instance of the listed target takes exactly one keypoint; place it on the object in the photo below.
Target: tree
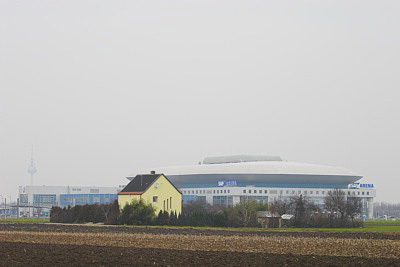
(246, 212)
(353, 207)
(348, 208)
(335, 202)
(197, 206)
(113, 214)
(281, 206)
(55, 214)
(173, 219)
(137, 213)
(299, 206)
(106, 210)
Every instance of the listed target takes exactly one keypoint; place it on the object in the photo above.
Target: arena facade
(231, 179)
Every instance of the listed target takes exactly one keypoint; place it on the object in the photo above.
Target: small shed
(268, 219)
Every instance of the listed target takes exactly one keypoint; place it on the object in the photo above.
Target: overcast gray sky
(104, 88)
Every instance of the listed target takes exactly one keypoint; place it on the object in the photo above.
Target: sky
(102, 89)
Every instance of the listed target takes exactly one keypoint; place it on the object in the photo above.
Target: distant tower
(32, 169)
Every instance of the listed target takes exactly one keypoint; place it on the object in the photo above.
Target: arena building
(231, 179)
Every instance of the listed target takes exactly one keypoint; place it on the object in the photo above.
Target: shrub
(104, 213)
(137, 213)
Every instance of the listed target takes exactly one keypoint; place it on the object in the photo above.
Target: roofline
(146, 187)
(259, 167)
(139, 193)
(171, 183)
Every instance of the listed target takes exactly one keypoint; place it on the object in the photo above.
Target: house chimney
(153, 172)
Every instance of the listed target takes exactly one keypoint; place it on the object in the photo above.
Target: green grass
(28, 220)
(382, 223)
(369, 226)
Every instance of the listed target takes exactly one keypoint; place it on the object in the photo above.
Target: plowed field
(75, 245)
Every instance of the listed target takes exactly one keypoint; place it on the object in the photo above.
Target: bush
(137, 213)
(104, 213)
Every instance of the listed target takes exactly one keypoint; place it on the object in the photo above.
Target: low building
(38, 200)
(268, 219)
(154, 189)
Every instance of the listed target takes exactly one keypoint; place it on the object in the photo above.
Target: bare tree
(281, 206)
(353, 207)
(199, 206)
(246, 212)
(335, 202)
(106, 208)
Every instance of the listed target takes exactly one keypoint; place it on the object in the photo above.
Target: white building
(37, 200)
(229, 180)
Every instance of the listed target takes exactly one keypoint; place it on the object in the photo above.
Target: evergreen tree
(173, 220)
(137, 213)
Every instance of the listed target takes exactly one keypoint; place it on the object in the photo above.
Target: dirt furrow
(252, 244)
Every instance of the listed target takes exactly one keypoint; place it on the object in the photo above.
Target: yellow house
(155, 189)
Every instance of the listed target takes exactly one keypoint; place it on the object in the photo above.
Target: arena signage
(227, 183)
(361, 186)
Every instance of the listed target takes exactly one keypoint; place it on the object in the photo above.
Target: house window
(244, 191)
(167, 203)
(155, 198)
(317, 192)
(170, 202)
(229, 191)
(260, 191)
(224, 191)
(287, 192)
(265, 191)
(368, 193)
(311, 192)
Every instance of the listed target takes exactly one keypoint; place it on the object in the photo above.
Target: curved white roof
(239, 158)
(259, 167)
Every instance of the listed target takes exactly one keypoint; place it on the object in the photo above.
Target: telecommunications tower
(32, 169)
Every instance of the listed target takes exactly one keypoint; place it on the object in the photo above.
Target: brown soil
(28, 254)
(82, 245)
(73, 228)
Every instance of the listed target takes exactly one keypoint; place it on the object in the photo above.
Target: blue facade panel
(83, 199)
(188, 199)
(323, 186)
